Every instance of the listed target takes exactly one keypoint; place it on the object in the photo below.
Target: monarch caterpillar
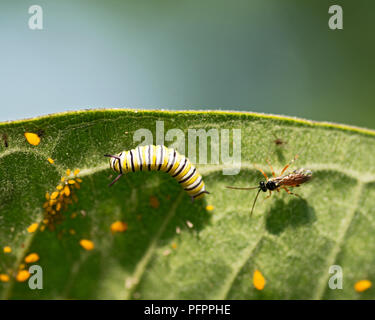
(160, 158)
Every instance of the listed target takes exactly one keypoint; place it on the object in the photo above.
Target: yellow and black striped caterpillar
(160, 158)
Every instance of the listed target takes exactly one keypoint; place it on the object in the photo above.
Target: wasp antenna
(255, 200)
(239, 188)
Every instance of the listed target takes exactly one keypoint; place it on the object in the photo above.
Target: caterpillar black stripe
(160, 158)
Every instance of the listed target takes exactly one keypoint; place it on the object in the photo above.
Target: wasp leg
(273, 172)
(288, 165)
(268, 195)
(261, 171)
(289, 192)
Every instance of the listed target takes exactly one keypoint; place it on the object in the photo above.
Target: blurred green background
(267, 56)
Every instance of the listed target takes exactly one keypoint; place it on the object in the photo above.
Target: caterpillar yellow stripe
(160, 158)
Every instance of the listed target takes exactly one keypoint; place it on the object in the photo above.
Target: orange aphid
(32, 138)
(67, 191)
(154, 202)
(31, 258)
(58, 206)
(4, 277)
(54, 195)
(22, 275)
(50, 160)
(258, 280)
(32, 228)
(119, 226)
(7, 249)
(87, 244)
(362, 285)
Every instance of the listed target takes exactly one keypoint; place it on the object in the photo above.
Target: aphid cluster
(21, 274)
(59, 199)
(160, 158)
(294, 179)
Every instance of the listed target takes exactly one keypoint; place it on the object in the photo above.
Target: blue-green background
(273, 56)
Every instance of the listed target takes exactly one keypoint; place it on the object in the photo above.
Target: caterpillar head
(114, 162)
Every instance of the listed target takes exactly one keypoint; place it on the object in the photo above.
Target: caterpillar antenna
(115, 180)
(111, 156)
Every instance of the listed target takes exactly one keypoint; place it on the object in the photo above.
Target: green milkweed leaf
(176, 249)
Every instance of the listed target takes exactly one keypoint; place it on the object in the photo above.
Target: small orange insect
(279, 142)
(294, 179)
(5, 138)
